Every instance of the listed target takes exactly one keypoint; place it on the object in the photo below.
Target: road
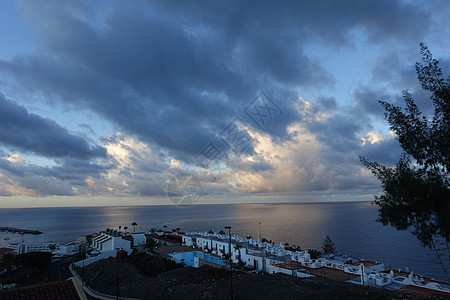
(59, 270)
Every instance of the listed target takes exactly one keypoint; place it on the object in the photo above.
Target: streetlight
(231, 267)
(117, 281)
(260, 238)
(82, 273)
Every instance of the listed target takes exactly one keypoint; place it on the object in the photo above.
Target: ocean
(351, 225)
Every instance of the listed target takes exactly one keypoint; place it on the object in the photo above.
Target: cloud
(170, 77)
(28, 132)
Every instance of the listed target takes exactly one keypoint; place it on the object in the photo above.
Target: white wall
(139, 238)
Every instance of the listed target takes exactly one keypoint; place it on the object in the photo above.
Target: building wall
(187, 240)
(139, 238)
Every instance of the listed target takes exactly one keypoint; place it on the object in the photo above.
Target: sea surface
(351, 225)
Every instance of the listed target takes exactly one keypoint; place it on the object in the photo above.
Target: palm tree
(125, 228)
(134, 226)
(150, 244)
(120, 227)
(7, 261)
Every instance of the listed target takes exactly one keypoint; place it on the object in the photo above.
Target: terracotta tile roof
(151, 235)
(289, 248)
(289, 265)
(101, 238)
(71, 243)
(366, 263)
(168, 239)
(329, 273)
(5, 250)
(104, 241)
(61, 290)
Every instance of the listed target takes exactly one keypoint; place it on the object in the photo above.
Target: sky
(139, 102)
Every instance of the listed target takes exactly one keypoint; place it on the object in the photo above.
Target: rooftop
(5, 250)
(62, 290)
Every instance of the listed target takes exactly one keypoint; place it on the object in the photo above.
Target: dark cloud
(28, 132)
(326, 103)
(67, 172)
(367, 101)
(175, 75)
(385, 152)
(46, 186)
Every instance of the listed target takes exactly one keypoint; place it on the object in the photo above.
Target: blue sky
(103, 102)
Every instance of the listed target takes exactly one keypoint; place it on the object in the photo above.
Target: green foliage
(7, 261)
(328, 246)
(79, 256)
(264, 240)
(150, 244)
(35, 259)
(417, 190)
(89, 238)
(314, 254)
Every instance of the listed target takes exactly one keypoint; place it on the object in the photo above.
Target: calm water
(351, 226)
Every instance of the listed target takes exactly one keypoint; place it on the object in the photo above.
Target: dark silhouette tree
(79, 256)
(88, 238)
(314, 254)
(125, 228)
(416, 191)
(7, 261)
(328, 246)
(151, 244)
(134, 224)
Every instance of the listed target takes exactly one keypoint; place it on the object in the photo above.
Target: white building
(110, 240)
(138, 238)
(70, 248)
(21, 248)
